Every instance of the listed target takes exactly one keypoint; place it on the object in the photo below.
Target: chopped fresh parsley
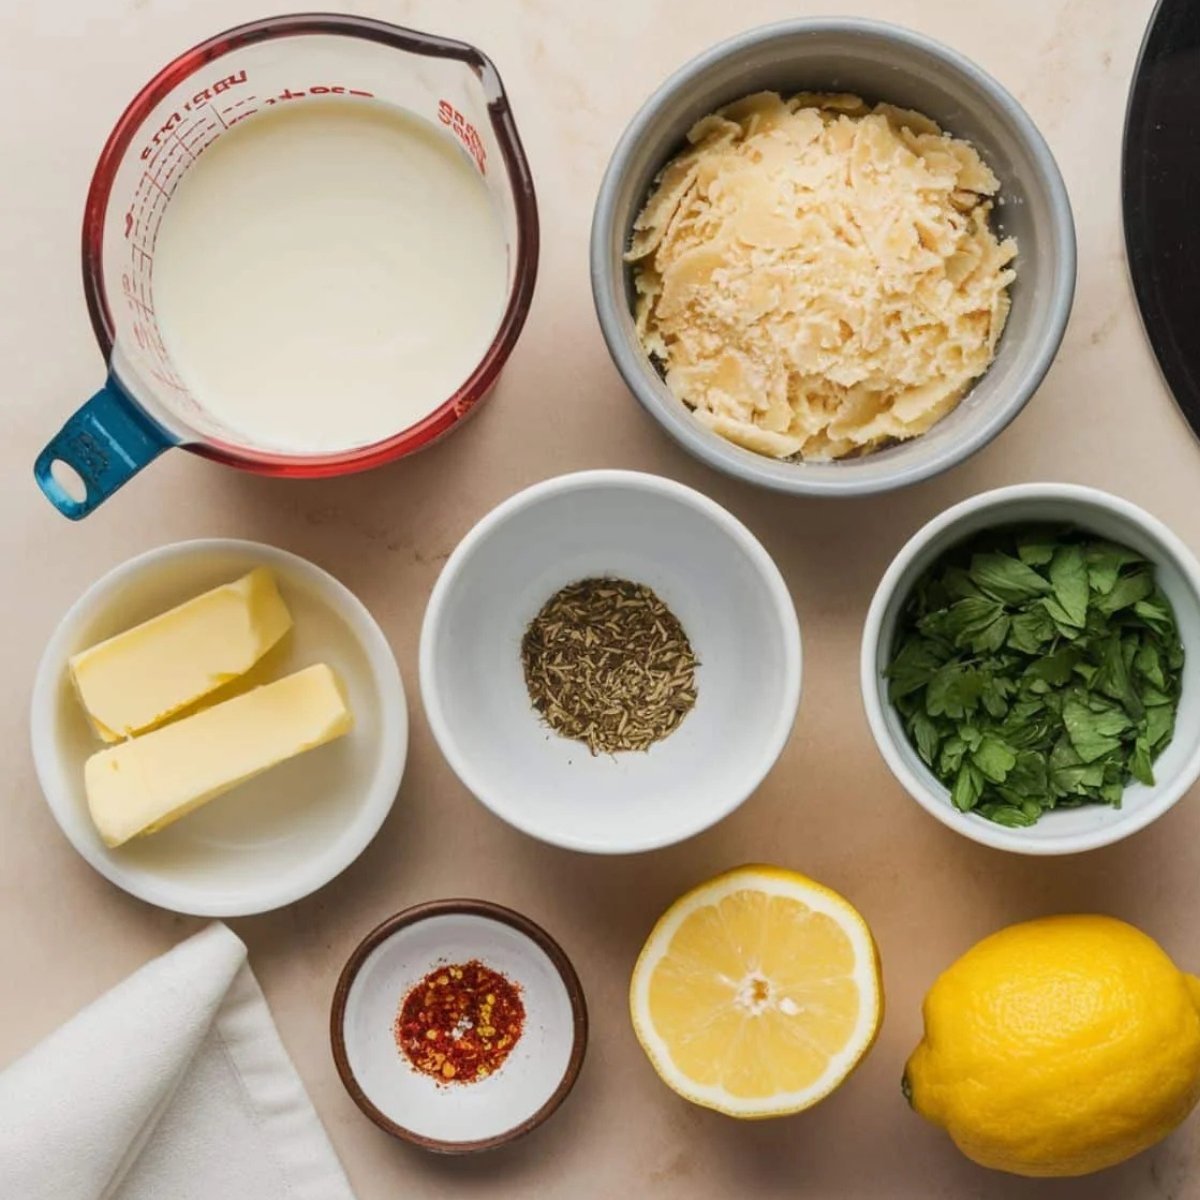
(1037, 668)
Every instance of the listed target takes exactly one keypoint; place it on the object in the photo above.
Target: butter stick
(140, 678)
(142, 785)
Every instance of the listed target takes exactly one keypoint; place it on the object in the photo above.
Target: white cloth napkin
(173, 1086)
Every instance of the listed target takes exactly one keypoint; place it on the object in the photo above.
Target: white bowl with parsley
(1031, 668)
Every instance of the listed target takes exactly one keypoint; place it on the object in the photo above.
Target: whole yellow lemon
(1059, 1047)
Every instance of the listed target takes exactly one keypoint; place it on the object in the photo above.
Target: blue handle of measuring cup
(108, 441)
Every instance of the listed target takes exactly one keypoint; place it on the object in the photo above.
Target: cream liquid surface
(328, 274)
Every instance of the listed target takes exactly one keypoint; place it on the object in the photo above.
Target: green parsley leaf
(993, 758)
(1069, 576)
(968, 787)
(913, 667)
(926, 736)
(1127, 591)
(953, 691)
(1113, 678)
(1008, 814)
(951, 756)
(1093, 734)
(1029, 777)
(1160, 725)
(1148, 662)
(1006, 578)
(1139, 762)
(1066, 625)
(958, 585)
(1037, 546)
(1156, 612)
(1030, 631)
(1152, 696)
(1104, 561)
(978, 623)
(1078, 780)
(1056, 668)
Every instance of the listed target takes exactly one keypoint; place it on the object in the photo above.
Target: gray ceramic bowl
(880, 62)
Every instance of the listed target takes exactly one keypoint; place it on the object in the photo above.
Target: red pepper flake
(460, 1022)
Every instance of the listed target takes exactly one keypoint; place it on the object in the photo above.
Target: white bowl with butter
(279, 836)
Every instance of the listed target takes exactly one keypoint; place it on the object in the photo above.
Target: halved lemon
(757, 993)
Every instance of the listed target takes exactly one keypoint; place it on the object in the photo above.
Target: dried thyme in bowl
(1037, 668)
(607, 663)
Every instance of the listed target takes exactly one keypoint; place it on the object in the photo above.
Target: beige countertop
(576, 72)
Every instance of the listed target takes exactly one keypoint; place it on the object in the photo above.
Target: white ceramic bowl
(457, 1118)
(707, 568)
(280, 836)
(1065, 831)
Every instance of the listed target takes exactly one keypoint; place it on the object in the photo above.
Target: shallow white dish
(455, 1117)
(1064, 831)
(282, 835)
(706, 566)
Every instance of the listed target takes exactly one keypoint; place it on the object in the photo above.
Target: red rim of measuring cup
(480, 381)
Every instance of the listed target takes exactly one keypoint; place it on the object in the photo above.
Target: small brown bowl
(458, 1118)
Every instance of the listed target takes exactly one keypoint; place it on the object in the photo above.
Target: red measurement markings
(160, 156)
(198, 100)
(152, 192)
(161, 170)
(158, 206)
(193, 139)
(138, 302)
(205, 132)
(317, 89)
(179, 138)
(172, 164)
(160, 191)
(143, 327)
(226, 116)
(141, 265)
(206, 95)
(136, 212)
(145, 281)
(465, 132)
(151, 198)
(169, 154)
(146, 335)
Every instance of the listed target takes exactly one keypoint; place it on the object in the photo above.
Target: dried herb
(460, 1022)
(1037, 668)
(607, 663)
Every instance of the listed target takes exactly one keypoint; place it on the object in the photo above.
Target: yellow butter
(142, 785)
(144, 676)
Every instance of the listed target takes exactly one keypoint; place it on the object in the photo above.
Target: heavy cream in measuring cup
(328, 274)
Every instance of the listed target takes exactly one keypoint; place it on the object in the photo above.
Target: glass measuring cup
(145, 407)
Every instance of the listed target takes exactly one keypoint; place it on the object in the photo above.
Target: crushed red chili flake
(460, 1022)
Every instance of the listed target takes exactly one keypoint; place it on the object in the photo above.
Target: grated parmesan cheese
(819, 278)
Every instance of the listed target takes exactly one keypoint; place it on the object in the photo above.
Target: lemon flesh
(757, 993)
(1059, 1047)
